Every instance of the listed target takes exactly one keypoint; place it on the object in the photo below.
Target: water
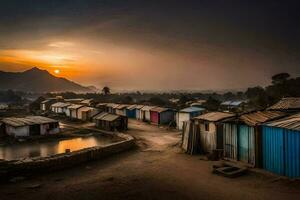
(48, 148)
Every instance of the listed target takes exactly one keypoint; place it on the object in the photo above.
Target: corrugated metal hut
(131, 111)
(281, 146)
(86, 113)
(138, 112)
(59, 107)
(289, 104)
(30, 126)
(111, 122)
(121, 110)
(242, 136)
(87, 102)
(159, 115)
(210, 130)
(111, 108)
(72, 111)
(45, 105)
(145, 113)
(186, 114)
(102, 107)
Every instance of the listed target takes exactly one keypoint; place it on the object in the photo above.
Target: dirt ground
(157, 169)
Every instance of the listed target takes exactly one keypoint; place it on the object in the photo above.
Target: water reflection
(29, 150)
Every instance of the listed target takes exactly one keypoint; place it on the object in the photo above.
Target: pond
(49, 148)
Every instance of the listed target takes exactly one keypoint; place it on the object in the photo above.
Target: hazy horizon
(152, 45)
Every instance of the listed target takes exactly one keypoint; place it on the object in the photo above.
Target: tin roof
(29, 120)
(159, 109)
(289, 103)
(232, 103)
(121, 106)
(87, 101)
(60, 104)
(139, 106)
(292, 122)
(106, 117)
(75, 106)
(215, 116)
(259, 117)
(147, 108)
(101, 104)
(191, 109)
(86, 108)
(131, 107)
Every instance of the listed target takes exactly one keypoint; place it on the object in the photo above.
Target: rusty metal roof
(60, 105)
(292, 122)
(147, 108)
(131, 107)
(289, 103)
(215, 116)
(259, 117)
(86, 108)
(139, 106)
(74, 106)
(25, 121)
(107, 117)
(159, 109)
(122, 106)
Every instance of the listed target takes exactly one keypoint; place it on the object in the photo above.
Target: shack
(111, 122)
(236, 105)
(59, 107)
(86, 113)
(242, 136)
(288, 104)
(87, 102)
(210, 129)
(159, 115)
(111, 108)
(138, 112)
(121, 110)
(131, 111)
(281, 146)
(72, 111)
(186, 114)
(145, 113)
(30, 126)
(45, 105)
(102, 107)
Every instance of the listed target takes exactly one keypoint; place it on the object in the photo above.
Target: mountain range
(39, 81)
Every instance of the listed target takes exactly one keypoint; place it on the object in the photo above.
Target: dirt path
(155, 170)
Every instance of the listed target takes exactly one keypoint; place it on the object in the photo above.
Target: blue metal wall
(246, 144)
(281, 151)
(131, 113)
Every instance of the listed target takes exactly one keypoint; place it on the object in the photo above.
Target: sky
(153, 45)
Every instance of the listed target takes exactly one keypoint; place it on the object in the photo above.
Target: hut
(30, 126)
(111, 107)
(186, 114)
(242, 136)
(87, 102)
(159, 115)
(102, 107)
(281, 146)
(111, 122)
(138, 112)
(74, 101)
(289, 104)
(210, 129)
(131, 111)
(145, 113)
(72, 111)
(45, 105)
(86, 113)
(59, 107)
(121, 109)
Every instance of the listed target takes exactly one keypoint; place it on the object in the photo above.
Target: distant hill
(37, 80)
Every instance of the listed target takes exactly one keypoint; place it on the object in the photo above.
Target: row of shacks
(268, 139)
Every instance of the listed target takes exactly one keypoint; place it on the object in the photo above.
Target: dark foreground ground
(157, 169)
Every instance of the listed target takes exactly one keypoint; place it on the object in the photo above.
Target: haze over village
(134, 99)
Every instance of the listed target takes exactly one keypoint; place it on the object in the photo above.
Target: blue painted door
(292, 153)
(246, 144)
(273, 150)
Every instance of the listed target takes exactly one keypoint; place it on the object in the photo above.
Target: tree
(258, 97)
(106, 90)
(280, 78)
(211, 104)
